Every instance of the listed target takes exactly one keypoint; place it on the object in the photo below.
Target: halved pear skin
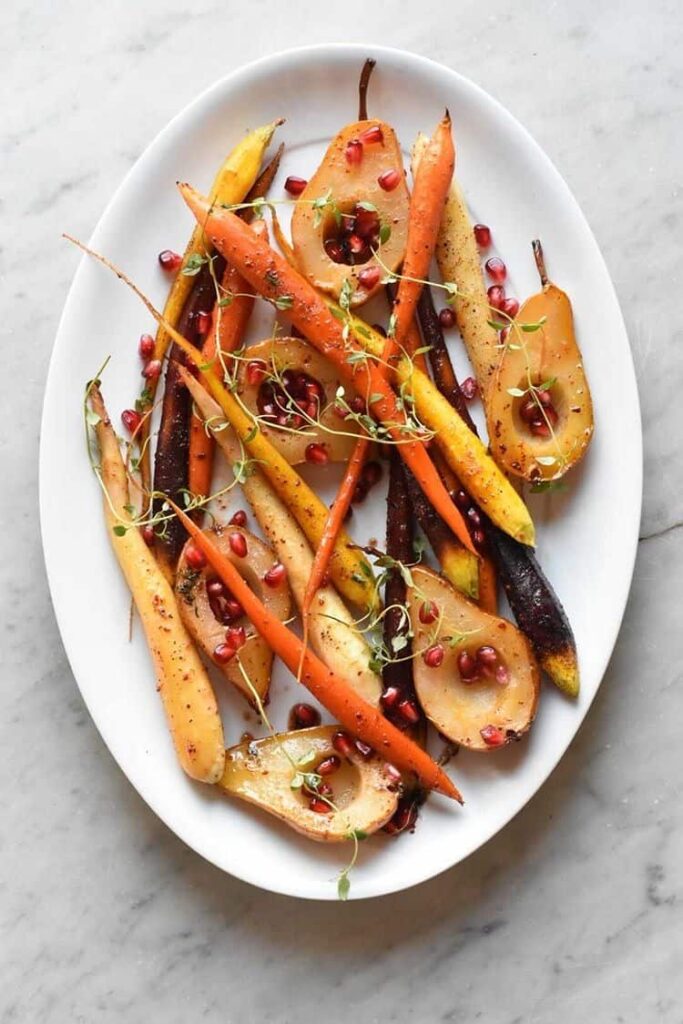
(458, 709)
(262, 771)
(349, 183)
(279, 355)
(549, 354)
(208, 633)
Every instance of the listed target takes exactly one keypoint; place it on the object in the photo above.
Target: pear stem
(365, 74)
(540, 261)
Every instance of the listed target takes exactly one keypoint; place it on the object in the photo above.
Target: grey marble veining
(576, 910)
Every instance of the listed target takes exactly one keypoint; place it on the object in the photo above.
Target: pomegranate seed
(354, 151)
(392, 773)
(236, 636)
(233, 609)
(510, 307)
(462, 500)
(340, 411)
(215, 588)
(545, 398)
(348, 223)
(372, 473)
(474, 518)
(335, 250)
(148, 534)
(356, 244)
(275, 575)
(528, 410)
(329, 766)
(170, 260)
(319, 806)
(369, 277)
(496, 296)
(303, 716)
(390, 696)
(467, 666)
(364, 750)
(483, 235)
(492, 736)
(152, 369)
(343, 744)
(496, 269)
(195, 558)
(203, 322)
(502, 675)
(433, 656)
(131, 420)
(317, 454)
(239, 518)
(469, 389)
(540, 428)
(256, 371)
(366, 223)
(479, 539)
(487, 659)
(357, 404)
(223, 653)
(372, 134)
(388, 180)
(447, 317)
(146, 346)
(324, 789)
(238, 544)
(407, 709)
(294, 185)
(429, 612)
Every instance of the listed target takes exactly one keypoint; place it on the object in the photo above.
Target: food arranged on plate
(400, 640)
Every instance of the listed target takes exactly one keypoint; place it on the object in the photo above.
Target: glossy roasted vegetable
(182, 682)
(271, 774)
(475, 674)
(286, 382)
(539, 405)
(213, 617)
(332, 630)
(333, 241)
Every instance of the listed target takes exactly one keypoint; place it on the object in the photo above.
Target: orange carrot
(335, 693)
(271, 276)
(229, 323)
(430, 189)
(488, 595)
(333, 525)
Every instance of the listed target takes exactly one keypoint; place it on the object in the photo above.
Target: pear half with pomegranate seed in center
(355, 203)
(292, 388)
(216, 621)
(475, 675)
(272, 774)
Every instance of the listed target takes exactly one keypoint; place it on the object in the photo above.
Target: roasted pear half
(209, 611)
(273, 773)
(288, 384)
(356, 201)
(475, 675)
(539, 407)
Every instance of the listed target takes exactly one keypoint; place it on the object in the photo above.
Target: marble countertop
(576, 909)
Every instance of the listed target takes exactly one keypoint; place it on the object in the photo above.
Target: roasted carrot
(233, 181)
(228, 325)
(334, 692)
(432, 181)
(401, 707)
(271, 276)
(182, 682)
(333, 525)
(173, 440)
